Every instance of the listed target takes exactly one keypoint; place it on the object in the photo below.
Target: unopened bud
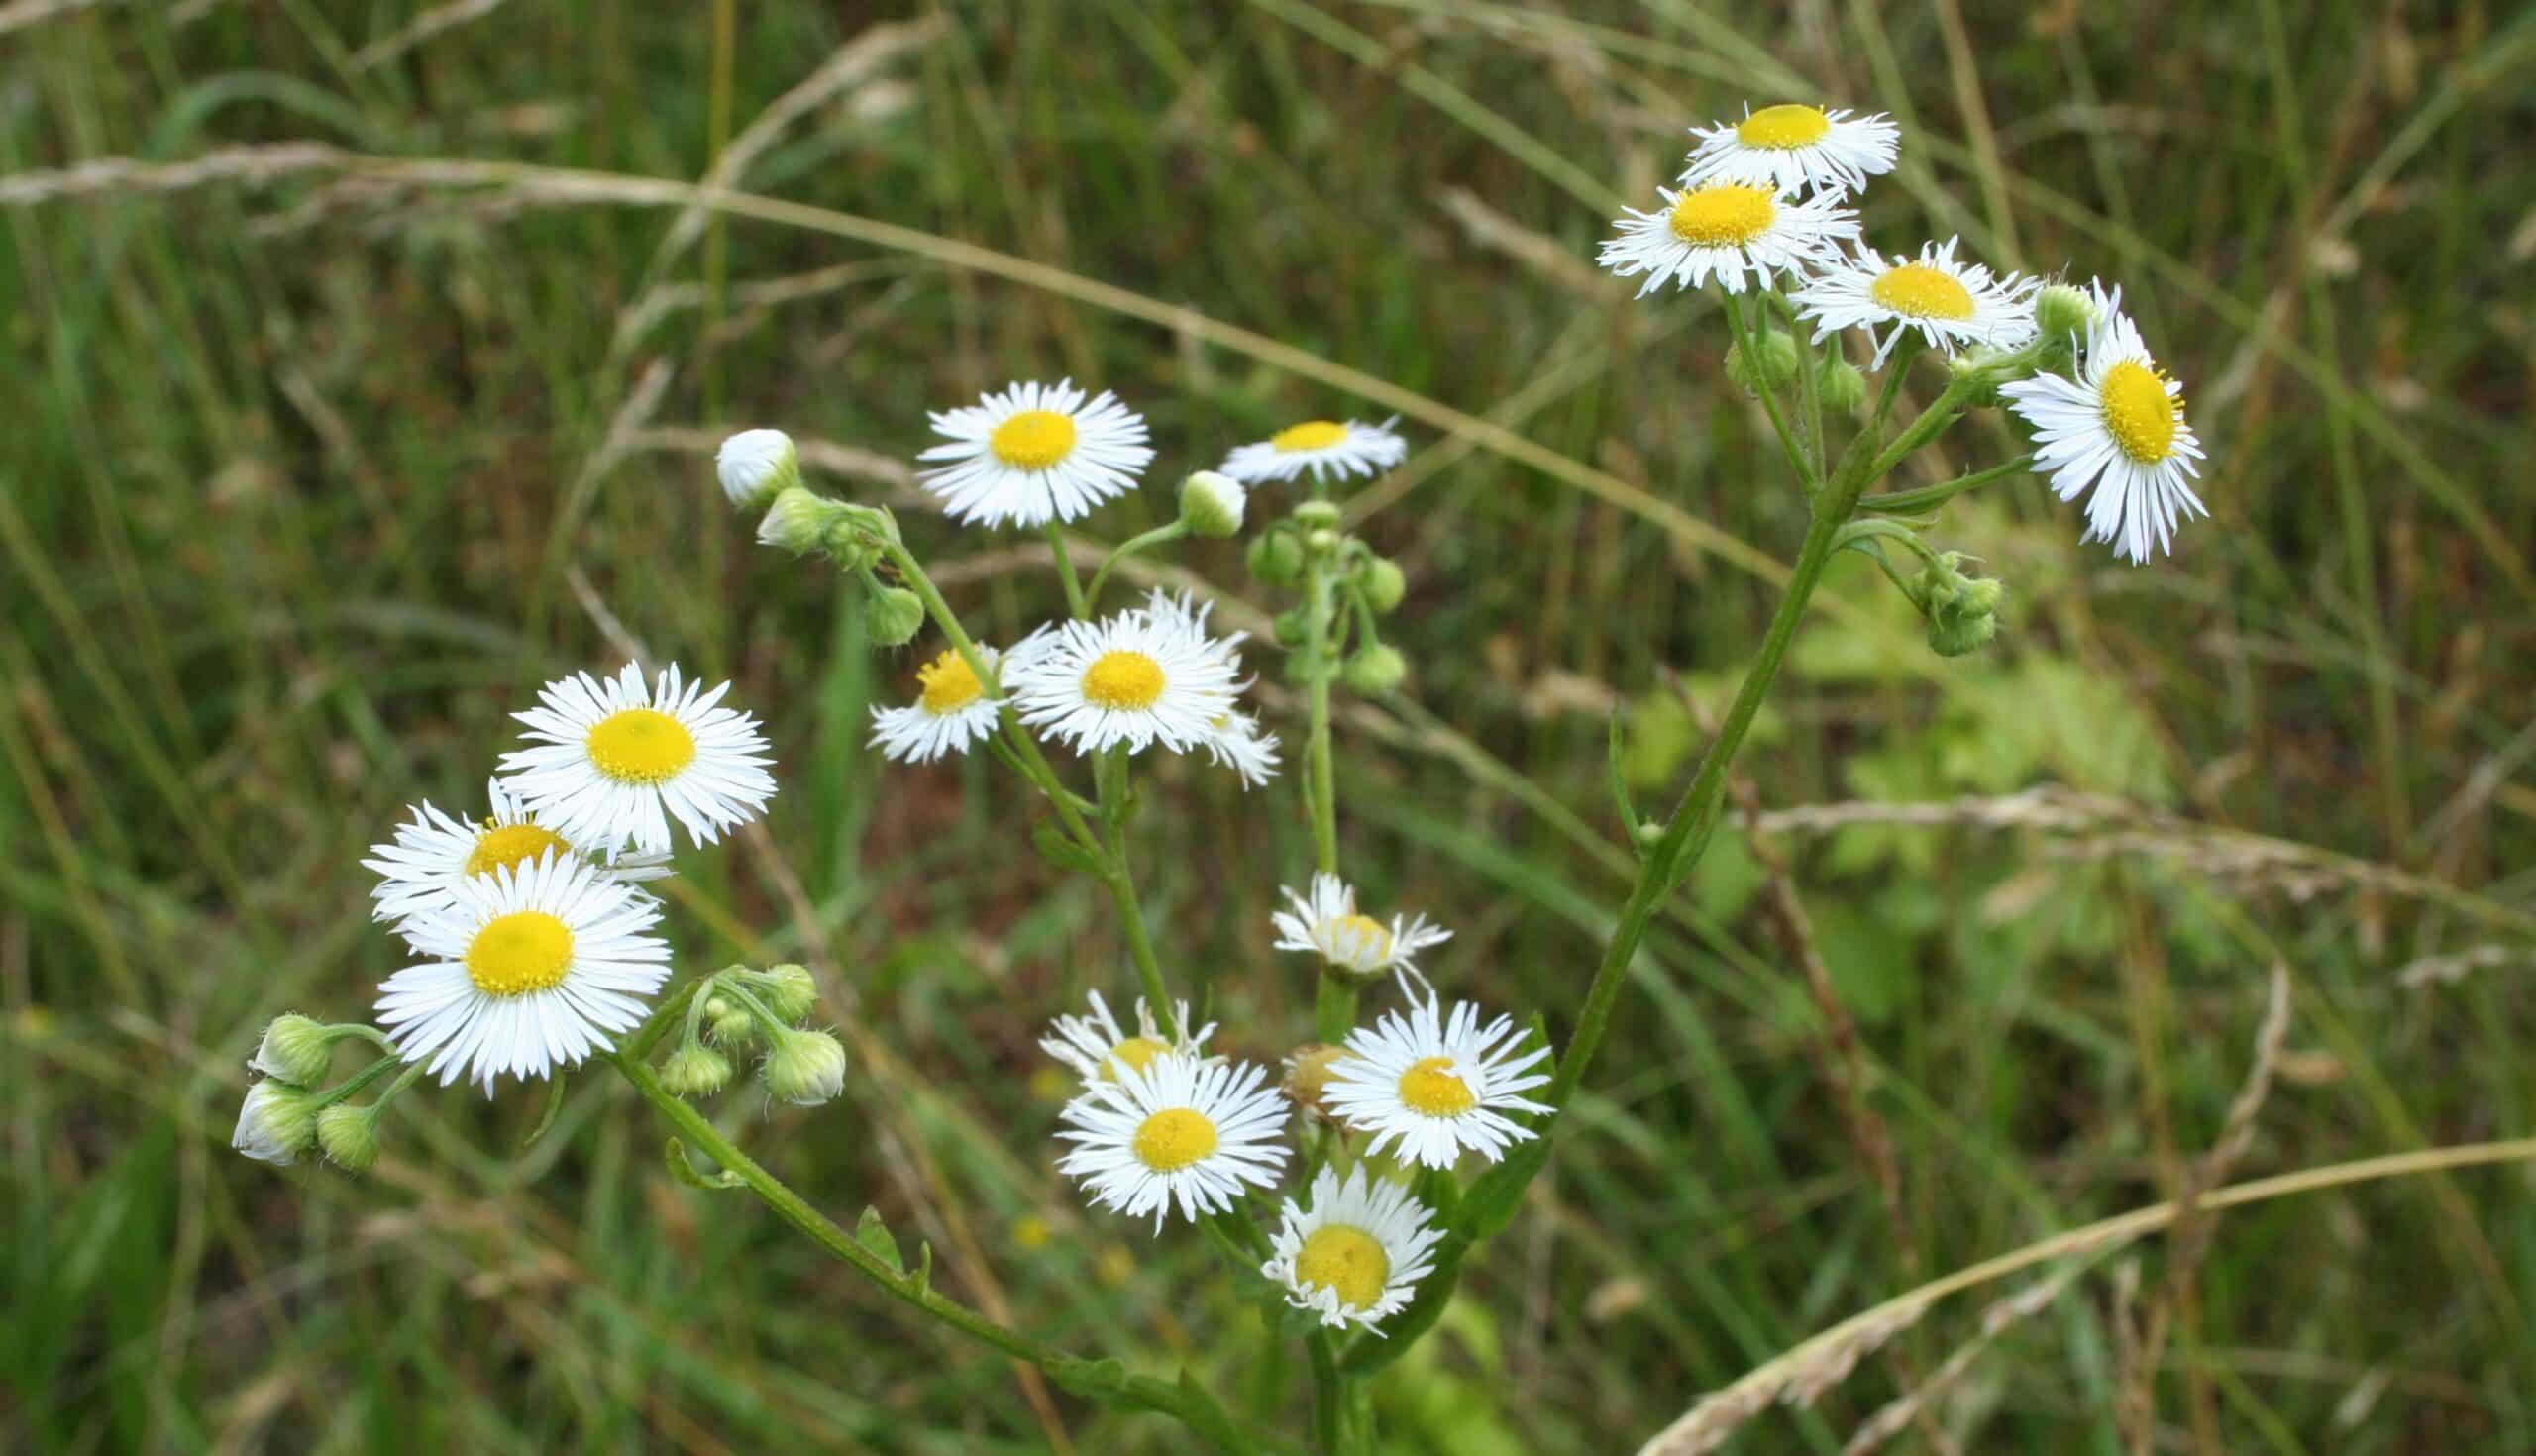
(1376, 670)
(1963, 611)
(1313, 514)
(1276, 559)
(2064, 310)
(695, 1071)
(1294, 628)
(803, 521)
(1844, 387)
(788, 991)
(804, 1068)
(296, 1049)
(1775, 355)
(729, 1023)
(350, 1136)
(1320, 541)
(277, 1123)
(1307, 1082)
(896, 615)
(1380, 580)
(756, 463)
(1211, 504)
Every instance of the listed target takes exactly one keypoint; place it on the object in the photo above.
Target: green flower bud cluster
(286, 1116)
(1309, 553)
(803, 522)
(1963, 612)
(739, 1008)
(1771, 364)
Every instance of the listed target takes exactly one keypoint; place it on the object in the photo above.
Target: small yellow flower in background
(1180, 1133)
(1032, 1233)
(613, 762)
(1738, 233)
(1356, 1254)
(1432, 1087)
(1789, 147)
(1034, 453)
(1954, 305)
(1097, 1049)
(1326, 449)
(433, 851)
(530, 968)
(2119, 430)
(1327, 923)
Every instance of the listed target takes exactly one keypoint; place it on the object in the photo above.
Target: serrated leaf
(874, 1235)
(685, 1169)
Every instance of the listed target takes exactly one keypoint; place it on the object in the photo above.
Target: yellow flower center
(2138, 413)
(641, 746)
(1782, 128)
(1360, 937)
(948, 685)
(1136, 1051)
(1174, 1138)
(1309, 434)
(1727, 215)
(508, 846)
(1122, 678)
(1348, 1261)
(1433, 1089)
(1922, 292)
(521, 952)
(1033, 439)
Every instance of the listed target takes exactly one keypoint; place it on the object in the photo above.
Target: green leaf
(553, 1108)
(1059, 849)
(876, 1239)
(1615, 769)
(1104, 1380)
(685, 1169)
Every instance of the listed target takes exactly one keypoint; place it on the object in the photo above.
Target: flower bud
(1844, 387)
(729, 1023)
(1775, 354)
(1313, 514)
(756, 463)
(1211, 504)
(695, 1071)
(1379, 578)
(1276, 559)
(803, 521)
(1307, 1076)
(1376, 670)
(295, 1049)
(2064, 310)
(804, 1068)
(896, 615)
(277, 1123)
(350, 1136)
(1294, 628)
(1320, 541)
(1963, 611)
(788, 991)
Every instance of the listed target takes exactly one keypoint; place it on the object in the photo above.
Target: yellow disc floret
(1725, 215)
(1360, 938)
(1922, 292)
(1348, 1262)
(1174, 1138)
(1783, 127)
(947, 684)
(1122, 678)
(2138, 413)
(641, 746)
(504, 846)
(1033, 439)
(1309, 434)
(1137, 1052)
(1431, 1089)
(518, 953)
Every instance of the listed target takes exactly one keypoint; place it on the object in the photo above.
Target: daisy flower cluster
(1763, 206)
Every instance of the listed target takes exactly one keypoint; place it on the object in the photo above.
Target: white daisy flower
(1437, 1087)
(1241, 745)
(1791, 147)
(1739, 233)
(533, 968)
(2119, 430)
(1327, 923)
(1357, 1252)
(1095, 1048)
(614, 761)
(1954, 305)
(1035, 452)
(1328, 448)
(433, 851)
(756, 463)
(1179, 1132)
(952, 711)
(1149, 672)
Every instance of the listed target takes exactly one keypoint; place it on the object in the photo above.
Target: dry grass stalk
(1538, 251)
(1913, 1405)
(116, 176)
(422, 28)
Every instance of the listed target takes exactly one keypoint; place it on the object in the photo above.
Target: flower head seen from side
(1145, 674)
(433, 851)
(1953, 305)
(1326, 922)
(1738, 233)
(2119, 430)
(529, 969)
(1326, 449)
(611, 762)
(1357, 1255)
(952, 711)
(1033, 452)
(754, 464)
(1179, 1133)
(1098, 1050)
(1791, 146)
(1238, 743)
(1433, 1086)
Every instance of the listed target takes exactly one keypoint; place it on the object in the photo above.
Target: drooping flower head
(531, 968)
(1179, 1133)
(1326, 922)
(1095, 1048)
(1034, 453)
(433, 851)
(1741, 234)
(1357, 1255)
(1433, 1086)
(1327, 449)
(1793, 146)
(1953, 305)
(613, 763)
(2119, 430)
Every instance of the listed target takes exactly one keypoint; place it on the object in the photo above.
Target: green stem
(1321, 779)
(1075, 606)
(1134, 544)
(1329, 1394)
(1132, 923)
(1929, 495)
(358, 1080)
(1931, 422)
(1334, 1006)
(1769, 396)
(1093, 1379)
(1811, 394)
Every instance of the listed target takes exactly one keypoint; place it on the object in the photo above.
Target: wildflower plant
(1404, 1126)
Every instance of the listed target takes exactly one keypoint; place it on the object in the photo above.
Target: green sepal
(684, 1170)
(875, 1237)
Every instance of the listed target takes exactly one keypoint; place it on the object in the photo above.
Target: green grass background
(303, 489)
